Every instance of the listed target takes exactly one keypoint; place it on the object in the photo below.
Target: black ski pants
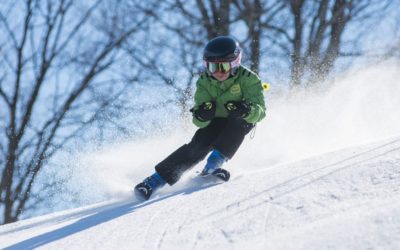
(222, 134)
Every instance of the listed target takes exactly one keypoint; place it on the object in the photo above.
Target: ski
(220, 173)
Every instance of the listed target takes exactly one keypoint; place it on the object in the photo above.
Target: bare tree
(257, 15)
(56, 79)
(172, 57)
(312, 32)
(216, 20)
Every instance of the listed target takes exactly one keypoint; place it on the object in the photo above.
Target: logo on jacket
(235, 89)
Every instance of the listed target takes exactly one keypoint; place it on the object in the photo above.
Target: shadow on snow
(98, 218)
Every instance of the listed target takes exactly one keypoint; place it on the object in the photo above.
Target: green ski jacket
(244, 86)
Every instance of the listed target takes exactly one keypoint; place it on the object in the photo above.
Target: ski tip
(222, 174)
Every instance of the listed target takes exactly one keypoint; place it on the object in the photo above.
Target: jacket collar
(224, 84)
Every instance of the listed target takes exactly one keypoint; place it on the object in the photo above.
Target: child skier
(228, 102)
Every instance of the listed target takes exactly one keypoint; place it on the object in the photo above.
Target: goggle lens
(223, 67)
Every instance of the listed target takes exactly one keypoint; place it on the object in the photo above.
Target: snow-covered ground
(346, 199)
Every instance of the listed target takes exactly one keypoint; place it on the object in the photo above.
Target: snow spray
(358, 107)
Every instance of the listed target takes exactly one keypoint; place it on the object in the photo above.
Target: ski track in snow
(346, 199)
(305, 179)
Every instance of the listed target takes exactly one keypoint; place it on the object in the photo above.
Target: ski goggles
(222, 67)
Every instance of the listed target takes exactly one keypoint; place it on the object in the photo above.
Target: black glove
(205, 112)
(238, 109)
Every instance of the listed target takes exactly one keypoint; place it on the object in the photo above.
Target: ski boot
(213, 166)
(145, 189)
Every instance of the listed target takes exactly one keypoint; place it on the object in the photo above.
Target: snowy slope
(347, 199)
